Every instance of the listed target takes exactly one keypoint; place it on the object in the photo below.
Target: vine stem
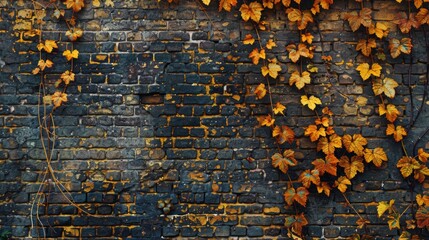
(351, 206)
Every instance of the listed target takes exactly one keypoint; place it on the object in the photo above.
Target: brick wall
(163, 110)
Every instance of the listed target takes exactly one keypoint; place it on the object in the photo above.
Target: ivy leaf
(407, 165)
(273, 69)
(270, 44)
(251, 11)
(356, 20)
(406, 23)
(58, 98)
(421, 173)
(266, 120)
(48, 46)
(397, 47)
(286, 3)
(307, 37)
(423, 16)
(227, 5)
(325, 188)
(308, 177)
(391, 111)
(71, 54)
(299, 80)
(418, 3)
(206, 2)
(383, 206)
(393, 222)
(366, 72)
(354, 144)
(295, 52)
(379, 29)
(76, 5)
(248, 40)
(376, 156)
(289, 195)
(342, 183)
(268, 3)
(42, 64)
(296, 223)
(366, 46)
(422, 200)
(361, 222)
(314, 132)
(255, 55)
(279, 108)
(285, 134)
(422, 217)
(422, 155)
(324, 121)
(386, 86)
(310, 102)
(329, 146)
(67, 77)
(397, 132)
(352, 166)
(74, 33)
(302, 18)
(283, 162)
(301, 196)
(328, 165)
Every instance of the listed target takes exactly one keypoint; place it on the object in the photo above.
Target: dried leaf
(422, 217)
(314, 132)
(328, 165)
(310, 102)
(76, 5)
(67, 77)
(376, 156)
(356, 20)
(71, 54)
(391, 111)
(251, 11)
(366, 46)
(366, 72)
(227, 5)
(386, 86)
(284, 134)
(270, 44)
(248, 40)
(397, 132)
(273, 70)
(58, 98)
(328, 146)
(299, 80)
(279, 108)
(354, 144)
(379, 29)
(302, 18)
(266, 121)
(285, 161)
(342, 183)
(397, 47)
(255, 55)
(422, 155)
(295, 52)
(407, 165)
(352, 166)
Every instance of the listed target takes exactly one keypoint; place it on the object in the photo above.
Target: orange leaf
(301, 196)
(58, 98)
(283, 162)
(299, 80)
(422, 155)
(266, 121)
(270, 44)
(273, 70)
(354, 144)
(70, 55)
(295, 52)
(421, 173)
(406, 23)
(386, 86)
(310, 102)
(260, 91)
(384, 206)
(289, 195)
(422, 217)
(77, 5)
(397, 47)
(286, 3)
(206, 2)
(397, 132)
(42, 64)
(48, 46)
(307, 37)
(329, 165)
(361, 222)
(366, 46)
(328, 146)
(391, 111)
(285, 134)
(376, 156)
(327, 111)
(423, 16)
(342, 183)
(249, 39)
(324, 121)
(74, 33)
(268, 3)
(251, 11)
(356, 20)
(255, 55)
(352, 166)
(325, 188)
(380, 30)
(302, 18)
(366, 72)
(314, 132)
(227, 4)
(307, 177)
(422, 200)
(279, 108)
(67, 77)
(407, 165)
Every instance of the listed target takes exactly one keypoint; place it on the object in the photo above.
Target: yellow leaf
(96, 3)
(42, 64)
(307, 37)
(366, 46)
(284, 134)
(295, 52)
(227, 4)
(366, 72)
(266, 121)
(351, 166)
(383, 206)
(58, 98)
(314, 132)
(397, 47)
(361, 101)
(251, 11)
(310, 102)
(391, 111)
(67, 77)
(386, 86)
(356, 20)
(407, 165)
(273, 69)
(380, 30)
(354, 144)
(342, 183)
(311, 68)
(76, 5)
(422, 155)
(74, 33)
(260, 91)
(376, 156)
(325, 188)
(270, 44)
(397, 132)
(328, 146)
(48, 46)
(299, 80)
(109, 3)
(206, 2)
(302, 18)
(248, 39)
(279, 108)
(255, 55)
(70, 55)
(422, 200)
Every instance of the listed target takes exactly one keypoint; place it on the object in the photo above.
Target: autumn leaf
(67, 77)
(76, 5)
(48, 46)
(422, 217)
(285, 161)
(299, 80)
(270, 44)
(366, 46)
(227, 5)
(405, 23)
(376, 156)
(407, 165)
(327, 58)
(266, 121)
(391, 111)
(273, 70)
(308, 177)
(352, 166)
(422, 155)
(342, 183)
(58, 98)
(354, 144)
(289, 195)
(255, 55)
(268, 3)
(295, 224)
(421, 173)
(279, 108)
(423, 16)
(301, 196)
(386, 86)
(310, 102)
(328, 165)
(379, 29)
(361, 222)
(284, 134)
(397, 47)
(248, 39)
(307, 37)
(314, 132)
(422, 200)
(42, 64)
(397, 132)
(327, 111)
(393, 222)
(71, 54)
(328, 146)
(302, 18)
(74, 33)
(324, 121)
(206, 2)
(251, 11)
(325, 188)
(366, 72)
(356, 20)
(295, 52)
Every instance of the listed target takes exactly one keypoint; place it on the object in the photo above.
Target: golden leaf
(386, 86)
(384, 206)
(266, 121)
(58, 98)
(227, 4)
(397, 132)
(67, 77)
(366, 46)
(74, 33)
(356, 20)
(251, 11)
(342, 183)
(279, 108)
(70, 55)
(314, 132)
(422, 155)
(391, 111)
(380, 30)
(310, 102)
(397, 47)
(270, 44)
(273, 69)
(299, 80)
(354, 144)
(366, 72)
(407, 165)
(376, 156)
(284, 134)
(76, 5)
(206, 2)
(352, 166)
(255, 55)
(328, 146)
(248, 39)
